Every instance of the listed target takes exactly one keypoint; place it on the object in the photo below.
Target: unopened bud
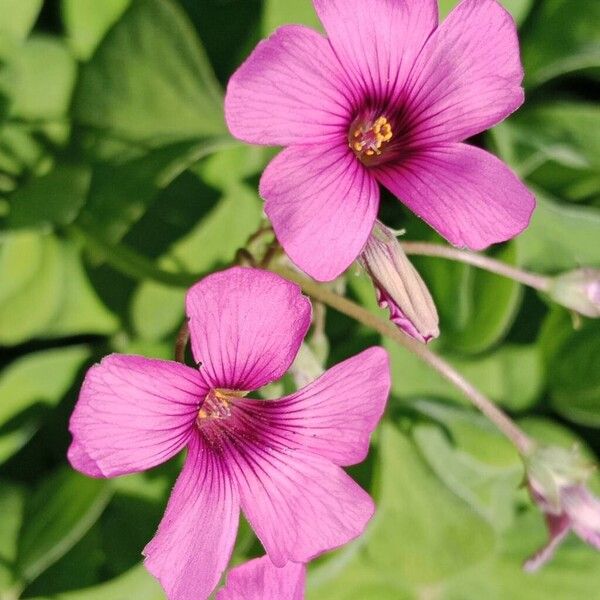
(578, 290)
(399, 286)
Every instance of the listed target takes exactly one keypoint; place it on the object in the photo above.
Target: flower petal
(290, 90)
(468, 76)
(322, 203)
(466, 194)
(246, 326)
(133, 413)
(584, 511)
(260, 579)
(299, 504)
(195, 538)
(378, 41)
(335, 415)
(558, 527)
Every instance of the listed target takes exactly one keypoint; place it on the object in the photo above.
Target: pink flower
(260, 579)
(387, 97)
(556, 478)
(579, 512)
(279, 461)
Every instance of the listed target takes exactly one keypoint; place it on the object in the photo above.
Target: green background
(119, 183)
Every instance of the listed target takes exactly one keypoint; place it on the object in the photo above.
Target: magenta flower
(387, 97)
(277, 460)
(260, 579)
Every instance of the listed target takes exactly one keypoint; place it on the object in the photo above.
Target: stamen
(369, 139)
(217, 405)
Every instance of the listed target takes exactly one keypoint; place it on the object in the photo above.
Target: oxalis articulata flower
(386, 97)
(279, 461)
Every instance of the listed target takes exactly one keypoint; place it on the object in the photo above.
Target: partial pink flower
(578, 511)
(557, 482)
(279, 461)
(260, 579)
(386, 97)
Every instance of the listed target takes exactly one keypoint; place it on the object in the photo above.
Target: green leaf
(157, 310)
(87, 21)
(512, 375)
(519, 9)
(283, 12)
(559, 237)
(81, 311)
(12, 500)
(58, 515)
(30, 384)
(476, 307)
(53, 199)
(149, 81)
(426, 529)
(575, 377)
(18, 16)
(44, 78)
(136, 583)
(31, 280)
(561, 40)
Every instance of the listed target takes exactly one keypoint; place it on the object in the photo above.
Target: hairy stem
(502, 421)
(538, 282)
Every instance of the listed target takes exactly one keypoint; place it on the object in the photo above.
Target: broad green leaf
(157, 310)
(574, 377)
(81, 311)
(489, 304)
(53, 199)
(430, 534)
(560, 237)
(12, 500)
(150, 81)
(283, 12)
(512, 375)
(87, 22)
(562, 39)
(57, 516)
(136, 583)
(18, 16)
(29, 300)
(519, 9)
(31, 384)
(45, 75)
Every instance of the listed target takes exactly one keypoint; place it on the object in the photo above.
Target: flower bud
(556, 478)
(399, 286)
(578, 290)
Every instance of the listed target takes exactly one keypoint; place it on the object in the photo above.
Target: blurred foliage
(109, 202)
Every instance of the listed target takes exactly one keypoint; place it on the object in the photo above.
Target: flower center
(368, 139)
(216, 405)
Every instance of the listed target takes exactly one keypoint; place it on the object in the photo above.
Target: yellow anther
(358, 146)
(367, 141)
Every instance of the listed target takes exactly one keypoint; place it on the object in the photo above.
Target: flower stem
(181, 341)
(502, 421)
(538, 282)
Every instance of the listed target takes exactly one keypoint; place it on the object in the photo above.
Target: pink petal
(466, 194)
(290, 90)
(322, 203)
(558, 527)
(260, 579)
(299, 504)
(468, 76)
(377, 41)
(584, 511)
(133, 413)
(195, 538)
(335, 415)
(246, 326)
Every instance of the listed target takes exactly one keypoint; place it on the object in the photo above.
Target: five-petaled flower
(388, 96)
(280, 461)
